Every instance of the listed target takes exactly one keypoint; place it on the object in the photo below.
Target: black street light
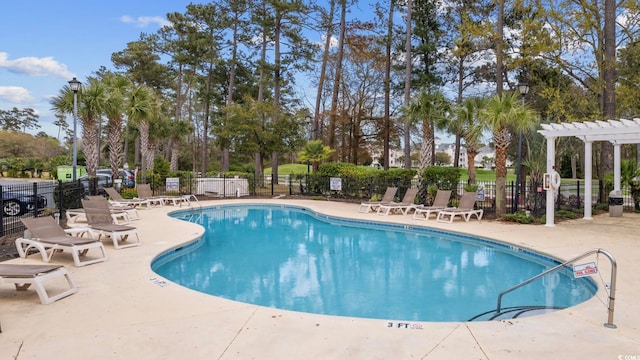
(74, 84)
(308, 121)
(523, 88)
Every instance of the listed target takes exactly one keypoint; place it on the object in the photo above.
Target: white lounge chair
(121, 214)
(387, 198)
(23, 276)
(49, 238)
(118, 200)
(439, 203)
(145, 192)
(465, 209)
(100, 224)
(406, 205)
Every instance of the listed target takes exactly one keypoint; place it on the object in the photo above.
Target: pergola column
(588, 181)
(616, 166)
(551, 158)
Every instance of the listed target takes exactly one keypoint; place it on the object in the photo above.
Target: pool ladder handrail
(612, 291)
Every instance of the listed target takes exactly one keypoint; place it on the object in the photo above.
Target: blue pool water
(292, 258)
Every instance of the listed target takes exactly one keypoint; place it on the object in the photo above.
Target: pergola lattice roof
(621, 131)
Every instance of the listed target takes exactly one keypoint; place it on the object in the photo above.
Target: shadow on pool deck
(124, 311)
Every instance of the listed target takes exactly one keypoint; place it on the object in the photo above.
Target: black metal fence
(32, 199)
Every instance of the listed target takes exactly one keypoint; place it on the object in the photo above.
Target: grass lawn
(487, 175)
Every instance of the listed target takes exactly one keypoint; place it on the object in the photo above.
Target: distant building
(396, 157)
(484, 159)
(450, 149)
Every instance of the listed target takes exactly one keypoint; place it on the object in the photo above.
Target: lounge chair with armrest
(439, 203)
(145, 192)
(101, 223)
(118, 200)
(122, 214)
(403, 207)
(387, 198)
(48, 238)
(465, 209)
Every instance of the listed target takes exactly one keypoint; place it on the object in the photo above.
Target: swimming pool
(292, 258)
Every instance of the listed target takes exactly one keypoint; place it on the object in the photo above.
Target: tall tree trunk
(263, 58)
(609, 74)
(144, 148)
(125, 149)
(499, 47)
(323, 71)
(137, 157)
(232, 83)
(90, 145)
(456, 151)
(276, 89)
(336, 84)
(114, 137)
(207, 113)
(501, 169)
(471, 158)
(175, 145)
(407, 87)
(387, 91)
(456, 160)
(175, 150)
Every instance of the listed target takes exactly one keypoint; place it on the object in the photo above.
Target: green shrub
(72, 193)
(565, 214)
(470, 187)
(440, 177)
(520, 217)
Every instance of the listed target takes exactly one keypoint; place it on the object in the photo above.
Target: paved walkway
(123, 311)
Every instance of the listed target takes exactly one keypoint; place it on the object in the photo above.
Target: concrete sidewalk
(125, 311)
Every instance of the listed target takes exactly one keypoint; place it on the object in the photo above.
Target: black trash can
(615, 203)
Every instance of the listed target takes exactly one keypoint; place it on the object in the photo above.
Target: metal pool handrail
(612, 291)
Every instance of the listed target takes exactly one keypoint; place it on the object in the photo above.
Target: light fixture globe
(523, 88)
(74, 84)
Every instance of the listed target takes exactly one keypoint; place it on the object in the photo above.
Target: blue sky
(46, 43)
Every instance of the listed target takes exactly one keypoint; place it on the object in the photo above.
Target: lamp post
(308, 121)
(74, 84)
(523, 88)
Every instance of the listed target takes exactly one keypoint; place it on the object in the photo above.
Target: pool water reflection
(292, 258)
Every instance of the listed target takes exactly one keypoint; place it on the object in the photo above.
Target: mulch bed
(8, 247)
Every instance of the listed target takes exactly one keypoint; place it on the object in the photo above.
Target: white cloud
(46, 66)
(15, 94)
(332, 43)
(144, 21)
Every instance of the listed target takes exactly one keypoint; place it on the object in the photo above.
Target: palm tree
(471, 129)
(315, 152)
(117, 87)
(429, 108)
(91, 108)
(503, 113)
(140, 110)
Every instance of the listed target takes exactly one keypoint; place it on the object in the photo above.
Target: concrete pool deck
(125, 311)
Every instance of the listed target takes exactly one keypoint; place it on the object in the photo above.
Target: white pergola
(617, 132)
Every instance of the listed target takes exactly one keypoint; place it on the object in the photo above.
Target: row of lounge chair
(444, 213)
(46, 237)
(147, 199)
(98, 219)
